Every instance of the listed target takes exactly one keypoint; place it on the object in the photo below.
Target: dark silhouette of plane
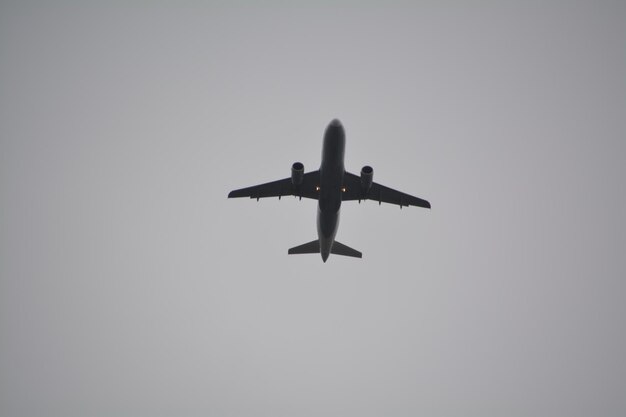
(330, 185)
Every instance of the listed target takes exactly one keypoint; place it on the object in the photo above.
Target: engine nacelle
(367, 177)
(297, 173)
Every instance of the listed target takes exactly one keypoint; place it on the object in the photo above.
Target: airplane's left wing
(308, 188)
(377, 192)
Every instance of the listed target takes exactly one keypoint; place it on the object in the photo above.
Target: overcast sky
(131, 286)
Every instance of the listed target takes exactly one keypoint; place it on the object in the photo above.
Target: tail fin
(341, 249)
(311, 247)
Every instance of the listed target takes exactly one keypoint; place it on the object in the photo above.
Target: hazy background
(130, 285)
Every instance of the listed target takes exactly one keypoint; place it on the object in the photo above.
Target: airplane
(330, 185)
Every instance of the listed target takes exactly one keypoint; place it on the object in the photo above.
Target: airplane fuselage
(332, 171)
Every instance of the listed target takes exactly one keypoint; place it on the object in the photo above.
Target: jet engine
(297, 173)
(367, 176)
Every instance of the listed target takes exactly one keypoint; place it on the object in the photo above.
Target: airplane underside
(330, 186)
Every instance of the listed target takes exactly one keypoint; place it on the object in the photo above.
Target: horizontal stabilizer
(341, 249)
(311, 247)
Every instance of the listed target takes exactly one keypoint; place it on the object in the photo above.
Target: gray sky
(130, 285)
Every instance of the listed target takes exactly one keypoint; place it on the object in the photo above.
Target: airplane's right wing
(307, 189)
(377, 192)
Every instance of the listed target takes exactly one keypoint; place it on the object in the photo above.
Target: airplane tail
(314, 247)
(311, 247)
(341, 249)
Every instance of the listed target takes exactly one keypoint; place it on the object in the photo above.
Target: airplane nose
(335, 123)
